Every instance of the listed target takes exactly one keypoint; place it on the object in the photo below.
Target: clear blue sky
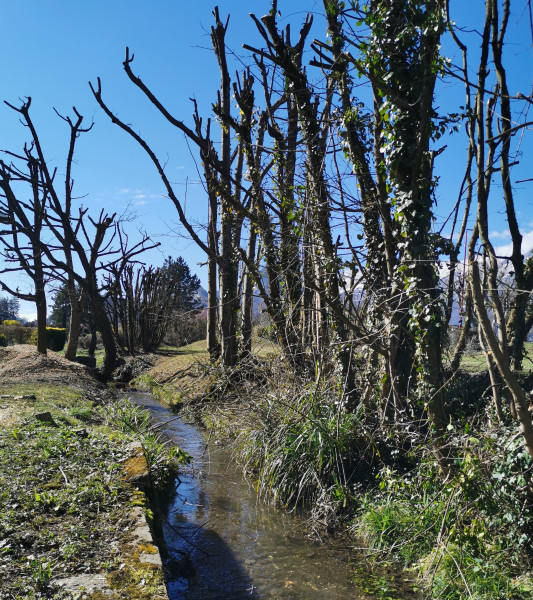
(52, 48)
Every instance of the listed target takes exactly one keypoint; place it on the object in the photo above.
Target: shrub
(306, 450)
(468, 536)
(55, 338)
(15, 332)
(84, 341)
(3, 340)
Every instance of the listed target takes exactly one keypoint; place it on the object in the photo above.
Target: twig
(64, 476)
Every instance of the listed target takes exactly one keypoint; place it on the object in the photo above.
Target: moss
(135, 466)
(136, 580)
(147, 548)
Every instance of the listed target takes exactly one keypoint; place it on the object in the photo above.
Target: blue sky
(52, 48)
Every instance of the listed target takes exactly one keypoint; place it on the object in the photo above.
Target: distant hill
(202, 297)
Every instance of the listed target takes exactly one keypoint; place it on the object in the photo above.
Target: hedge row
(17, 334)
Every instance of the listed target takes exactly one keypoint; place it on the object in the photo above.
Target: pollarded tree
(145, 303)
(223, 171)
(98, 244)
(23, 224)
(314, 120)
(394, 46)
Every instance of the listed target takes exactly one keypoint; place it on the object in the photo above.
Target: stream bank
(72, 524)
(222, 542)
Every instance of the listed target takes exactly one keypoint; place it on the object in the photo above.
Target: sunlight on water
(224, 544)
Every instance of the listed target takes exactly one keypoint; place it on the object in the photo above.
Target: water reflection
(224, 544)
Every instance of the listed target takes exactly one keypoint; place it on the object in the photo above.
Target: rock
(89, 584)
(46, 417)
(151, 559)
(123, 374)
(87, 361)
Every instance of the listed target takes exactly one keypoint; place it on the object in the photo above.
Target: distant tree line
(9, 308)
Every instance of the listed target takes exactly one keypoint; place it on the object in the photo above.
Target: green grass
(196, 348)
(99, 354)
(474, 363)
(63, 501)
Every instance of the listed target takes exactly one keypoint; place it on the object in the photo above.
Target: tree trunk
(75, 321)
(108, 339)
(228, 278)
(519, 396)
(247, 295)
(40, 304)
(213, 347)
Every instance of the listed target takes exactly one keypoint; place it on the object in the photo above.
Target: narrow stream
(225, 544)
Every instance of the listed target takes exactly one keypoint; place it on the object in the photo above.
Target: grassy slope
(64, 506)
(476, 362)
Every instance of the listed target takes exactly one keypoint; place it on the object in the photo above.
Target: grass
(476, 362)
(300, 448)
(464, 537)
(98, 354)
(180, 373)
(64, 503)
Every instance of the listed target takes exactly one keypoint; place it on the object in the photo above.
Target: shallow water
(222, 543)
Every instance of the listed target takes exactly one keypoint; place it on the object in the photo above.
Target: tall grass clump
(135, 421)
(305, 450)
(468, 536)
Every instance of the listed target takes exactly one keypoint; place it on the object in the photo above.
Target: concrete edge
(138, 547)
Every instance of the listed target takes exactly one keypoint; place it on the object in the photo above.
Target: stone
(46, 417)
(89, 583)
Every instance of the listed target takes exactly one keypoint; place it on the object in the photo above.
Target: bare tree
(24, 222)
(503, 339)
(98, 245)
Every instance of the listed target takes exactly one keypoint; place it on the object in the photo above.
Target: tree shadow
(199, 565)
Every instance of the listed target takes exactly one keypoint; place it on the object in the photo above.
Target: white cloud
(500, 235)
(527, 246)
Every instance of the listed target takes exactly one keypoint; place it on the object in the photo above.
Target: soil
(23, 364)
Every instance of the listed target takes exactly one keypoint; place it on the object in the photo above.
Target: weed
(136, 423)
(466, 537)
(41, 573)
